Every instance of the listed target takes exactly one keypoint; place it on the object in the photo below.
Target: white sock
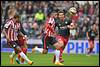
(57, 54)
(24, 56)
(39, 49)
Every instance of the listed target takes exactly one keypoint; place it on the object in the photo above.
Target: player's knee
(24, 50)
(57, 46)
(61, 43)
(92, 46)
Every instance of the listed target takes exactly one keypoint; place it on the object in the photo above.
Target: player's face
(94, 27)
(55, 15)
(61, 16)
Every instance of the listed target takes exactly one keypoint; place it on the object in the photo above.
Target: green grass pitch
(46, 60)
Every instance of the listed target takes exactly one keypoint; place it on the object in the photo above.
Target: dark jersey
(65, 32)
(92, 34)
(22, 29)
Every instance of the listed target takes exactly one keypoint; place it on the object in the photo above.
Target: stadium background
(88, 13)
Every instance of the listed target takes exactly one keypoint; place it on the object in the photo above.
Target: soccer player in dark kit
(91, 34)
(63, 26)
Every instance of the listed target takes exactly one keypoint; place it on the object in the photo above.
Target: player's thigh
(60, 40)
(91, 43)
(55, 43)
(52, 40)
(15, 46)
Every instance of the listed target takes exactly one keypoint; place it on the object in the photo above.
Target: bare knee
(58, 45)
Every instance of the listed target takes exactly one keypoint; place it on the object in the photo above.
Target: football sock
(57, 54)
(24, 56)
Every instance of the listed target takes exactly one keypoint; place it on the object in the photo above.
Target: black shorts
(13, 44)
(52, 40)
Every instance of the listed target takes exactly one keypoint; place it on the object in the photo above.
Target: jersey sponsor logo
(66, 22)
(80, 46)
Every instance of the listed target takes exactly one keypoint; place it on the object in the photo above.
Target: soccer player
(63, 26)
(11, 30)
(23, 44)
(50, 37)
(44, 50)
(91, 34)
(22, 40)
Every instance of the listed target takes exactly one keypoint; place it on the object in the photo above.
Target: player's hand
(88, 38)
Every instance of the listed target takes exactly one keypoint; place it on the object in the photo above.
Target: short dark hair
(61, 11)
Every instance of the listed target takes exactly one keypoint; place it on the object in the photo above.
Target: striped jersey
(49, 26)
(12, 29)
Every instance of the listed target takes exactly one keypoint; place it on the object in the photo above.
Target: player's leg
(18, 50)
(41, 50)
(12, 54)
(20, 43)
(20, 60)
(91, 46)
(12, 57)
(57, 53)
(57, 46)
(23, 44)
(63, 41)
(24, 51)
(37, 49)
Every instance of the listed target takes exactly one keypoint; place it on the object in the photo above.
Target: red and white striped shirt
(49, 26)
(12, 29)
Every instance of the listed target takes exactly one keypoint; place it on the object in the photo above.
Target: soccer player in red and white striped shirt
(50, 37)
(48, 28)
(11, 31)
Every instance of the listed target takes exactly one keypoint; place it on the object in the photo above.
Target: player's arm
(87, 35)
(5, 29)
(4, 32)
(21, 31)
(97, 35)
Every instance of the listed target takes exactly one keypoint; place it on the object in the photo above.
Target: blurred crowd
(34, 13)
